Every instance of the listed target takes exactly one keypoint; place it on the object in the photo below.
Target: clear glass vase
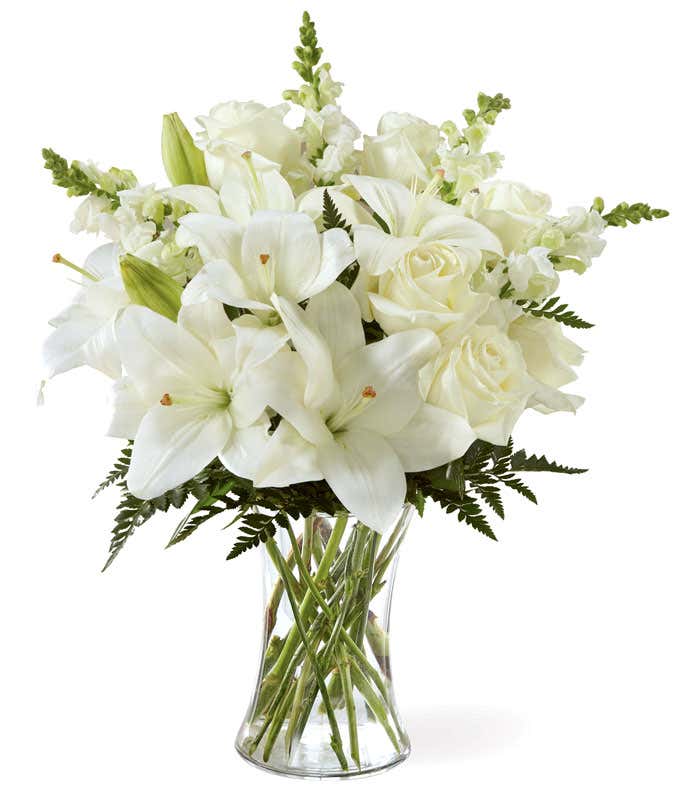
(324, 701)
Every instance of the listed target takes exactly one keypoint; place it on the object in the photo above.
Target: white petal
(207, 321)
(103, 261)
(242, 454)
(256, 343)
(291, 243)
(336, 313)
(366, 475)
(386, 197)
(128, 409)
(173, 444)
(220, 280)
(202, 198)
(287, 459)
(433, 437)
(377, 251)
(216, 237)
(390, 367)
(459, 231)
(547, 399)
(161, 357)
(314, 351)
(337, 253)
(280, 384)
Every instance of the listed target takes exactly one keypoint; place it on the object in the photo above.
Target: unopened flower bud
(147, 285)
(183, 160)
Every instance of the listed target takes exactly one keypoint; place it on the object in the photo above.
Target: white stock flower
(276, 252)
(550, 357)
(482, 378)
(84, 332)
(353, 413)
(189, 394)
(413, 220)
(532, 275)
(404, 149)
(509, 209)
(253, 126)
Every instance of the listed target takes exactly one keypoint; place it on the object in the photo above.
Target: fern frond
(521, 462)
(332, 218)
(553, 310)
(118, 472)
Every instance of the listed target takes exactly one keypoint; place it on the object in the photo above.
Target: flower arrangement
(298, 328)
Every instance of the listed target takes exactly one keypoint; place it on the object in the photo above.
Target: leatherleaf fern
(469, 487)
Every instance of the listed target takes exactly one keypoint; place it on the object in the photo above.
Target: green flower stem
(293, 638)
(298, 700)
(307, 541)
(275, 597)
(367, 585)
(277, 721)
(374, 702)
(348, 694)
(280, 563)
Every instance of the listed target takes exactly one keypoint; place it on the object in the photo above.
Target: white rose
(403, 149)
(428, 288)
(532, 275)
(255, 127)
(482, 378)
(509, 209)
(550, 357)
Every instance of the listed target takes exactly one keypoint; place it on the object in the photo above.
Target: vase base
(300, 773)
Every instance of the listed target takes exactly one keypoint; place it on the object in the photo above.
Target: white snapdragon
(329, 139)
(532, 274)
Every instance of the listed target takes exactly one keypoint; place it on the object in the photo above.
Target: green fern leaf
(521, 462)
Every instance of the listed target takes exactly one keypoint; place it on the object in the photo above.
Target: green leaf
(521, 462)
(551, 309)
(118, 472)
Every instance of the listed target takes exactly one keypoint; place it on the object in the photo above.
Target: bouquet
(318, 333)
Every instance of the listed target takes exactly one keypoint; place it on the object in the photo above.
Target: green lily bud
(183, 160)
(148, 286)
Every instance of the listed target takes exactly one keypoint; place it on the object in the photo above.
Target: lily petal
(337, 253)
(390, 368)
(220, 280)
(366, 475)
(201, 198)
(215, 237)
(242, 453)
(336, 313)
(314, 351)
(389, 199)
(287, 459)
(128, 409)
(433, 437)
(173, 444)
(377, 252)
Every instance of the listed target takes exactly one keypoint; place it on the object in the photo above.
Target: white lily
(277, 252)
(413, 220)
(353, 413)
(189, 395)
(84, 332)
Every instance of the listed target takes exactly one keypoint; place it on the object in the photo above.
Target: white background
(547, 662)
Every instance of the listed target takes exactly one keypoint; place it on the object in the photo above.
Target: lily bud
(183, 160)
(147, 285)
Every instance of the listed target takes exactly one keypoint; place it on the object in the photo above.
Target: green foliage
(488, 108)
(118, 472)
(624, 213)
(552, 309)
(257, 528)
(520, 462)
(332, 219)
(459, 486)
